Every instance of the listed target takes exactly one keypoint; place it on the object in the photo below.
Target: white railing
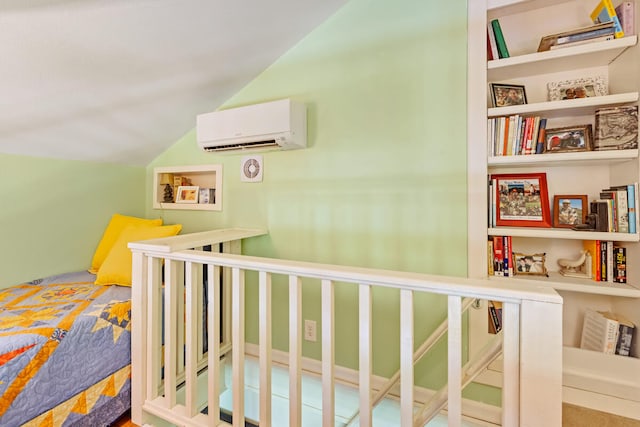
(173, 379)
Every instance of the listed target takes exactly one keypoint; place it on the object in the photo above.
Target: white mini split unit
(279, 124)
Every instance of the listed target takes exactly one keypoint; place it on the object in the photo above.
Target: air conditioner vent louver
(242, 146)
(279, 124)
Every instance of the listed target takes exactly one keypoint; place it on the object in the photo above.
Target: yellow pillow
(116, 225)
(116, 268)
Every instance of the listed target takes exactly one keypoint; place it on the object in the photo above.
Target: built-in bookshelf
(590, 380)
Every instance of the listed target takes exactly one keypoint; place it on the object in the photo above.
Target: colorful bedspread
(64, 344)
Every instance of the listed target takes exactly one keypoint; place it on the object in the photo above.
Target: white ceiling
(122, 80)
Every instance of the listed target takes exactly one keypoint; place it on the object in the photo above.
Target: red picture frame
(522, 200)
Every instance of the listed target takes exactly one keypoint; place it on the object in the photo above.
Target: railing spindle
(170, 332)
(213, 322)
(237, 332)
(264, 314)
(511, 364)
(328, 354)
(365, 365)
(295, 351)
(454, 404)
(406, 358)
(192, 342)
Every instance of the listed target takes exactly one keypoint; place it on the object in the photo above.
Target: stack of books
(590, 34)
(607, 332)
(608, 261)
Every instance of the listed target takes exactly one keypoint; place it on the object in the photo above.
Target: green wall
(383, 183)
(54, 212)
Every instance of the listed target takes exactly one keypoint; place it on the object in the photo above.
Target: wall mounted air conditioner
(279, 124)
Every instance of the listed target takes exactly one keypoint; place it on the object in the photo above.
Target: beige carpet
(577, 416)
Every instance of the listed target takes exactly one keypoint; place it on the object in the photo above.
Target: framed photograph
(522, 200)
(529, 264)
(187, 194)
(569, 138)
(586, 87)
(504, 95)
(569, 210)
(616, 128)
(207, 195)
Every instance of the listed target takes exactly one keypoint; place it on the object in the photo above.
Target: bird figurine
(580, 267)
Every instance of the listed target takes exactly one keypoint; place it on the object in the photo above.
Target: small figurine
(580, 267)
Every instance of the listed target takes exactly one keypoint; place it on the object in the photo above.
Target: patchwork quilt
(64, 351)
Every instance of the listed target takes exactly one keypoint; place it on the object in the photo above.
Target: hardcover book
(626, 15)
(605, 12)
(500, 42)
(616, 128)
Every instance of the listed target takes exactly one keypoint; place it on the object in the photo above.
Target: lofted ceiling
(122, 80)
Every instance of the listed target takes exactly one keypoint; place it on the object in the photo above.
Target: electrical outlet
(310, 330)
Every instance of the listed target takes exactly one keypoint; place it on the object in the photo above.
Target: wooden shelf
(573, 284)
(562, 233)
(203, 176)
(567, 107)
(552, 61)
(561, 159)
(497, 8)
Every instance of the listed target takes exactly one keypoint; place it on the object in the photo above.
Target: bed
(64, 352)
(65, 341)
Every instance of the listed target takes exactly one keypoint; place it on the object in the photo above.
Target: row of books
(608, 261)
(501, 250)
(607, 332)
(516, 135)
(615, 209)
(496, 45)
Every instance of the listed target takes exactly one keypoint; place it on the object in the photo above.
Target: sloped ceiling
(121, 80)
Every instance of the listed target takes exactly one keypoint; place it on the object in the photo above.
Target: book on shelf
(605, 12)
(492, 47)
(577, 34)
(619, 264)
(626, 329)
(626, 15)
(599, 333)
(503, 52)
(616, 128)
(541, 136)
(498, 256)
(495, 316)
(634, 218)
(582, 42)
(592, 246)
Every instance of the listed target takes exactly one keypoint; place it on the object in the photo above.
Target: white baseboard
(477, 410)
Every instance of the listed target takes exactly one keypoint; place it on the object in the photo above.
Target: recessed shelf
(562, 233)
(202, 176)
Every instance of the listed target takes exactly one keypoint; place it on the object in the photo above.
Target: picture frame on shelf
(529, 264)
(522, 200)
(568, 139)
(504, 95)
(616, 128)
(585, 87)
(569, 210)
(207, 195)
(187, 194)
